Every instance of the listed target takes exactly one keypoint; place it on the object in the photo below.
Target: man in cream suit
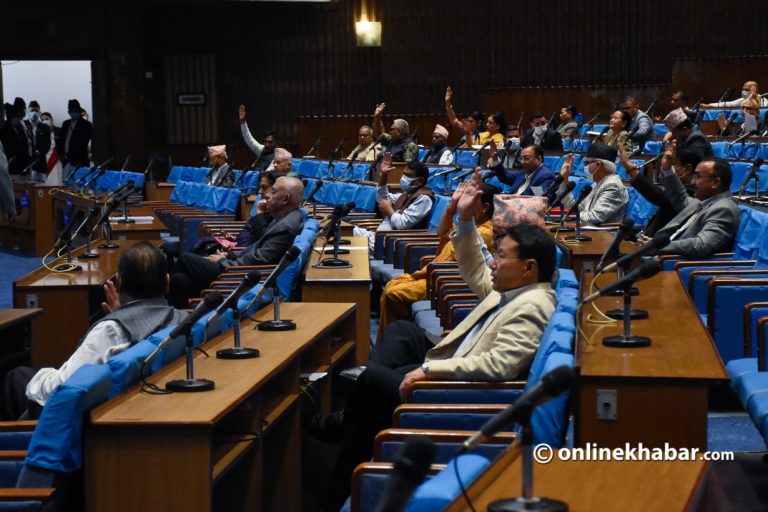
(495, 342)
(708, 223)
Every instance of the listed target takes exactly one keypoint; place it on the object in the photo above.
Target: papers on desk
(137, 219)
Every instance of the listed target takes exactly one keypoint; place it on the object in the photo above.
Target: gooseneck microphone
(553, 186)
(237, 351)
(289, 257)
(248, 282)
(552, 385)
(647, 269)
(583, 193)
(625, 228)
(481, 148)
(210, 301)
(561, 195)
(412, 463)
(657, 243)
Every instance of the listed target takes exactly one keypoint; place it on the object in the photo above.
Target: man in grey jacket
(708, 224)
(641, 127)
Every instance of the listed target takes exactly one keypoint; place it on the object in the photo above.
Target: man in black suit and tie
(39, 138)
(274, 232)
(541, 134)
(75, 136)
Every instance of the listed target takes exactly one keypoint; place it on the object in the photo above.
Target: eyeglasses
(526, 158)
(364, 135)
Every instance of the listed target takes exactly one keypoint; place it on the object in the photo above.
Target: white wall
(51, 82)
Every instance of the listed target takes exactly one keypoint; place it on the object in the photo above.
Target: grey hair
(294, 187)
(402, 125)
(608, 165)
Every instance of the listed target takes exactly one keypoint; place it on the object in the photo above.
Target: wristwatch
(425, 368)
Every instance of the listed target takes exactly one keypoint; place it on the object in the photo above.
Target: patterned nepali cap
(675, 118)
(511, 210)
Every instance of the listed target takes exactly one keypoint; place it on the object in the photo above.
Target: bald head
(750, 87)
(295, 189)
(284, 196)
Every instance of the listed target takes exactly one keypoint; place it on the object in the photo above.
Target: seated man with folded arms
(135, 308)
(405, 289)
(535, 176)
(366, 149)
(607, 202)
(407, 210)
(676, 168)
(496, 342)
(192, 273)
(682, 131)
(264, 152)
(397, 142)
(708, 224)
(748, 90)
(220, 174)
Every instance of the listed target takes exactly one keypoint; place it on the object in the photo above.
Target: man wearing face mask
(75, 136)
(39, 137)
(748, 90)
(607, 202)
(52, 162)
(408, 210)
(13, 136)
(541, 134)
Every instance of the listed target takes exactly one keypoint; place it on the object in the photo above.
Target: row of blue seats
(110, 180)
(180, 173)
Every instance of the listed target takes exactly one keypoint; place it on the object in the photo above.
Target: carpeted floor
(13, 265)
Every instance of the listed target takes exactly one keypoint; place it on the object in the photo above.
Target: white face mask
(588, 174)
(540, 130)
(745, 94)
(48, 122)
(405, 182)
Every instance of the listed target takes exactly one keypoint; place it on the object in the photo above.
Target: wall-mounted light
(367, 31)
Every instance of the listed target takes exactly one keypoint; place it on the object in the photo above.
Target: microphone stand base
(635, 314)
(341, 242)
(562, 230)
(88, 256)
(626, 341)
(339, 251)
(109, 246)
(335, 263)
(632, 291)
(520, 505)
(237, 353)
(190, 385)
(277, 325)
(577, 238)
(126, 221)
(63, 268)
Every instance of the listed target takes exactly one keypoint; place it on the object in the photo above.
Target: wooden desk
(661, 390)
(158, 191)
(71, 302)
(606, 486)
(16, 334)
(138, 230)
(586, 255)
(176, 452)
(31, 230)
(331, 284)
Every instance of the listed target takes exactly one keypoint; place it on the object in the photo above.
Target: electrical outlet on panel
(607, 404)
(32, 300)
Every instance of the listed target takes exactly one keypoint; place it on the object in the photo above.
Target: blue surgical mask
(405, 182)
(34, 116)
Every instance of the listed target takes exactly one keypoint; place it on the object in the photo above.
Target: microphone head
(626, 225)
(558, 179)
(648, 268)
(414, 458)
(349, 207)
(559, 380)
(252, 278)
(292, 253)
(660, 241)
(213, 299)
(585, 190)
(570, 186)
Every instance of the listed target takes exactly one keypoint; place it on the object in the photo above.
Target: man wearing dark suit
(533, 180)
(39, 135)
(192, 273)
(541, 134)
(681, 129)
(75, 136)
(14, 137)
(708, 224)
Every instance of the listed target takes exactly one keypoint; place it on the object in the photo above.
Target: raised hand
(470, 199)
(458, 192)
(448, 95)
(565, 170)
(112, 299)
(722, 122)
(668, 157)
(379, 109)
(386, 164)
(241, 113)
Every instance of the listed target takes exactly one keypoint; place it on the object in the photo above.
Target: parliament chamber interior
(368, 255)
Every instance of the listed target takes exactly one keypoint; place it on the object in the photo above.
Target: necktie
(687, 223)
